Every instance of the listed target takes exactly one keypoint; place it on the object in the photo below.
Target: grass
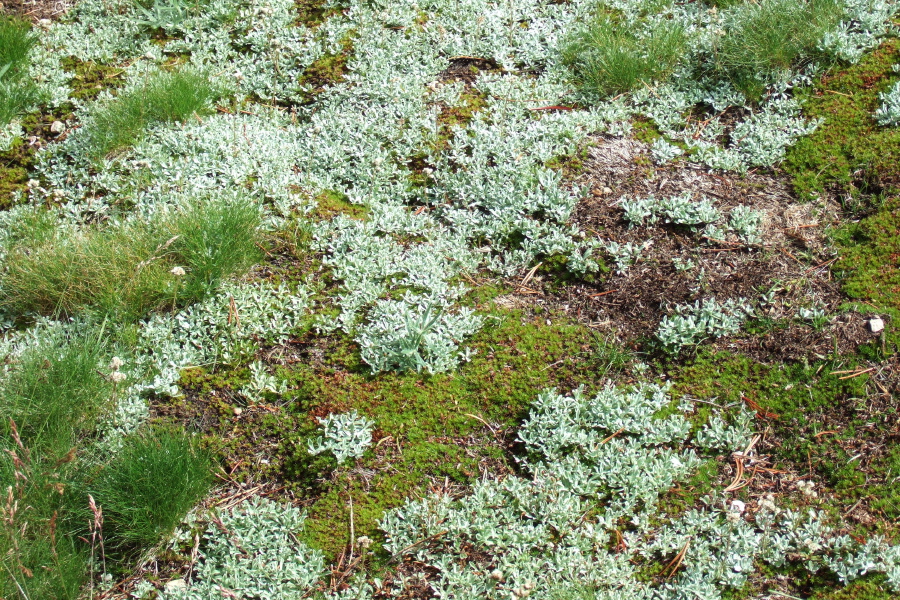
(766, 38)
(125, 271)
(50, 404)
(55, 395)
(148, 488)
(607, 58)
(162, 97)
(17, 91)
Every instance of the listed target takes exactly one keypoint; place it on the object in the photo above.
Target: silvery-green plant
(720, 434)
(746, 224)
(590, 464)
(692, 323)
(663, 152)
(262, 382)
(625, 254)
(889, 111)
(682, 210)
(682, 265)
(639, 210)
(345, 435)
(271, 563)
(406, 336)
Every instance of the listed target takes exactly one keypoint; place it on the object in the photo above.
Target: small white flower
(737, 506)
(177, 271)
(116, 363)
(33, 183)
(117, 377)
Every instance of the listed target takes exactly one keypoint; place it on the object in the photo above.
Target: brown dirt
(35, 10)
(795, 258)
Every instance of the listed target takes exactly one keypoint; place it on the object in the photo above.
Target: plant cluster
(591, 465)
(161, 97)
(744, 222)
(426, 205)
(609, 58)
(345, 435)
(692, 323)
(69, 505)
(678, 210)
(889, 111)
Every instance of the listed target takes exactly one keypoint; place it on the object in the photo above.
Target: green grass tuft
(607, 58)
(55, 394)
(17, 91)
(163, 97)
(126, 271)
(148, 487)
(763, 39)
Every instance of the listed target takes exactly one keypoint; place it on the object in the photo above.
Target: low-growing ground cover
(461, 299)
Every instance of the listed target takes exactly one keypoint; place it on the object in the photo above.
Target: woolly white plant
(692, 323)
(344, 435)
(252, 551)
(889, 111)
(593, 463)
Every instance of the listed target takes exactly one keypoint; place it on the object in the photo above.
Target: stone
(237, 411)
(175, 584)
(57, 127)
(876, 324)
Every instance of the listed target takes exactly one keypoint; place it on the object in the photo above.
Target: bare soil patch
(36, 10)
(794, 259)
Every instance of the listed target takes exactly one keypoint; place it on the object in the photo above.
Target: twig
(825, 432)
(819, 266)
(858, 373)
(676, 562)
(530, 274)
(601, 294)
(609, 437)
(352, 527)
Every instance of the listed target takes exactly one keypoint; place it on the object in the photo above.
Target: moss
(431, 430)
(869, 269)
(313, 13)
(91, 78)
(570, 164)
(330, 203)
(868, 588)
(645, 130)
(812, 414)
(15, 164)
(326, 70)
(849, 152)
(870, 257)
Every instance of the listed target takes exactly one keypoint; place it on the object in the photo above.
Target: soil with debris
(795, 259)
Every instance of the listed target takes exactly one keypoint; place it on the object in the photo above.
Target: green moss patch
(849, 152)
(818, 423)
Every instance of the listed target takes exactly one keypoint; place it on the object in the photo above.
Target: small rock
(175, 584)
(876, 324)
(57, 127)
(606, 191)
(44, 23)
(237, 411)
